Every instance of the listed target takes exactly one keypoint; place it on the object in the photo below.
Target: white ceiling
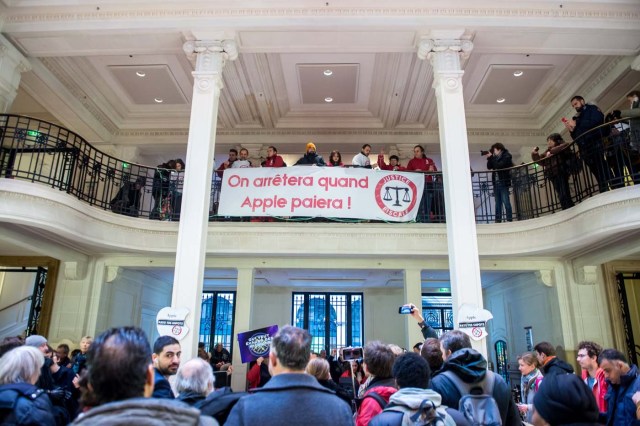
(85, 57)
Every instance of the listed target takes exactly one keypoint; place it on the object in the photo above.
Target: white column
(412, 294)
(192, 234)
(242, 322)
(12, 64)
(444, 53)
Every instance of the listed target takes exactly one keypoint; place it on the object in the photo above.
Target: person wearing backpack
(414, 403)
(465, 382)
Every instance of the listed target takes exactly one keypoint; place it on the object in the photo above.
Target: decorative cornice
(54, 66)
(626, 15)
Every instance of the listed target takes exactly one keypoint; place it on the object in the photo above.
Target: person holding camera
(554, 160)
(499, 159)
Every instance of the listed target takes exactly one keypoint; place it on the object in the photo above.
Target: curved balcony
(39, 151)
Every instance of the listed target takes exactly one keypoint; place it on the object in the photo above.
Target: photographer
(499, 159)
(555, 160)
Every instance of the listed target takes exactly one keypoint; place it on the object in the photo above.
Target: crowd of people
(118, 379)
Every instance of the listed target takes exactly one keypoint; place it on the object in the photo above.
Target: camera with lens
(483, 152)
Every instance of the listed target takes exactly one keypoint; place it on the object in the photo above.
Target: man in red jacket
(273, 159)
(421, 163)
(592, 374)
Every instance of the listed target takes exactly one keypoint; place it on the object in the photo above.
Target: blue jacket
(589, 118)
(291, 399)
(161, 387)
(25, 404)
(621, 411)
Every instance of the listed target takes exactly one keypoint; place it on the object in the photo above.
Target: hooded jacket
(556, 366)
(470, 366)
(370, 407)
(413, 398)
(310, 159)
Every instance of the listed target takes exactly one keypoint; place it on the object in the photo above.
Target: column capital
(227, 48)
(546, 277)
(428, 46)
(210, 57)
(586, 275)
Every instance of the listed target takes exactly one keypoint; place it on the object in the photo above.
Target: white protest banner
(321, 192)
(473, 321)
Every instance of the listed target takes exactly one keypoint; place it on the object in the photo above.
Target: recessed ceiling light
(500, 100)
(328, 99)
(158, 100)
(518, 73)
(140, 74)
(328, 72)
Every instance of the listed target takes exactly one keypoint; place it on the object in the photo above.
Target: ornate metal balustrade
(39, 151)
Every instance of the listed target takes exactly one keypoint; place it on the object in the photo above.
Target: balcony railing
(39, 151)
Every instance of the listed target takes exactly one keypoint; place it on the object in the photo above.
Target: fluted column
(444, 51)
(12, 65)
(210, 57)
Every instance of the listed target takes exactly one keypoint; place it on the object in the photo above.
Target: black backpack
(219, 403)
(477, 404)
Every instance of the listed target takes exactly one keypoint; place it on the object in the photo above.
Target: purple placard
(254, 344)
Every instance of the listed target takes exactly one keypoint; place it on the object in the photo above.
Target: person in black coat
(311, 158)
(21, 402)
(499, 159)
(550, 363)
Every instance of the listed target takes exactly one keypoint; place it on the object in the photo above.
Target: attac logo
(396, 195)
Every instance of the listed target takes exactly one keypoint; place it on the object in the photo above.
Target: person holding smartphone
(411, 309)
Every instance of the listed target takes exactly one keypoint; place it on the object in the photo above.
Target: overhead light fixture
(500, 100)
(158, 100)
(518, 73)
(328, 72)
(140, 74)
(328, 99)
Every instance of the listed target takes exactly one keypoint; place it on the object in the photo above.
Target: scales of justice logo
(396, 195)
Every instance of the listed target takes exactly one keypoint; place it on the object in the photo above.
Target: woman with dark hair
(554, 160)
(335, 159)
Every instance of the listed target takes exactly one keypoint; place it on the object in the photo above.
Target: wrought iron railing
(39, 151)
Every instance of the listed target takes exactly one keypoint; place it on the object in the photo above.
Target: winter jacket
(25, 404)
(369, 408)
(275, 161)
(311, 159)
(258, 375)
(331, 385)
(471, 367)
(555, 164)
(144, 412)
(385, 166)
(413, 398)
(501, 164)
(587, 119)
(599, 388)
(556, 366)
(422, 164)
(292, 399)
(161, 387)
(621, 411)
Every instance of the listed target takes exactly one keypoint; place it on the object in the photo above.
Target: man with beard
(166, 360)
(590, 142)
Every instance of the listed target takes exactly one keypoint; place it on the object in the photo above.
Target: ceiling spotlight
(500, 100)
(518, 73)
(140, 74)
(160, 100)
(327, 72)
(328, 99)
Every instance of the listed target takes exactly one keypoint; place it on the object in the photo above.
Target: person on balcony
(127, 200)
(554, 160)
(591, 143)
(311, 158)
(423, 164)
(499, 159)
(394, 163)
(362, 158)
(243, 160)
(160, 188)
(335, 159)
(177, 182)
(273, 159)
(233, 157)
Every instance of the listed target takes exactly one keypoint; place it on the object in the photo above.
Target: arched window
(502, 360)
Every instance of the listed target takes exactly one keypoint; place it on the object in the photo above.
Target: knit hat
(565, 399)
(310, 145)
(35, 340)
